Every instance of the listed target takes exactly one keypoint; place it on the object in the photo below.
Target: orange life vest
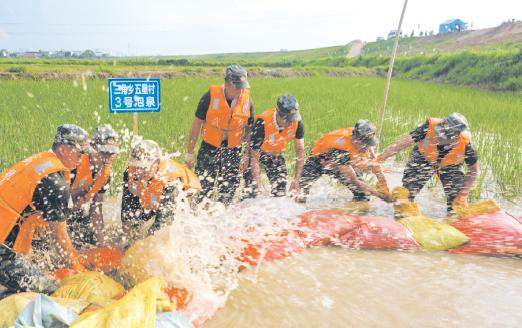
(222, 122)
(150, 192)
(84, 179)
(428, 146)
(275, 140)
(340, 139)
(17, 185)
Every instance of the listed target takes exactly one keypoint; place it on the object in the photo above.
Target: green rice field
(31, 111)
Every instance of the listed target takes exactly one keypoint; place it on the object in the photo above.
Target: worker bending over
(442, 146)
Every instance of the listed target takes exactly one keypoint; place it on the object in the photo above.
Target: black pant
(418, 171)
(218, 166)
(18, 274)
(133, 215)
(81, 229)
(313, 170)
(275, 168)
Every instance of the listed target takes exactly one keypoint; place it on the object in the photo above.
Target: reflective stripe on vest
(222, 122)
(340, 139)
(17, 185)
(428, 146)
(275, 141)
(84, 179)
(169, 171)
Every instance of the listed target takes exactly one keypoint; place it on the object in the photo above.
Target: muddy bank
(201, 72)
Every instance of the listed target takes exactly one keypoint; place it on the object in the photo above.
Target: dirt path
(356, 47)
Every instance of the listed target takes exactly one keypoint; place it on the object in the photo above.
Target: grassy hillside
(487, 58)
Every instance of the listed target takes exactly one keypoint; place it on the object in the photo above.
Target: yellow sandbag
(93, 287)
(11, 306)
(136, 309)
(357, 207)
(432, 234)
(402, 207)
(483, 207)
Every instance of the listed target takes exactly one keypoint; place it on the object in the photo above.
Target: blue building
(392, 34)
(452, 25)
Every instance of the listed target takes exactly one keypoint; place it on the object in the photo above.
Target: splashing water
(202, 253)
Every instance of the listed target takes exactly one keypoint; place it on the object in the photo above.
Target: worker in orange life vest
(344, 154)
(90, 181)
(34, 195)
(153, 186)
(442, 146)
(224, 117)
(273, 129)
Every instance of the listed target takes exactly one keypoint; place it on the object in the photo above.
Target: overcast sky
(168, 27)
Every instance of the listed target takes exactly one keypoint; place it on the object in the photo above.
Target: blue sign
(134, 95)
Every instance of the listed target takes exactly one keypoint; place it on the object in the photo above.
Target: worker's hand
(385, 196)
(461, 200)
(189, 160)
(379, 159)
(294, 186)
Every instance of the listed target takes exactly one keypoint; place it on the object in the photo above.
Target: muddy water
(333, 287)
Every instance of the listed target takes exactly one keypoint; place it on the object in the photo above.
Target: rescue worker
(442, 146)
(273, 129)
(223, 117)
(151, 188)
(34, 196)
(344, 154)
(90, 181)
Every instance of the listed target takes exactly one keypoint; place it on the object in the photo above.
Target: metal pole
(390, 70)
(135, 125)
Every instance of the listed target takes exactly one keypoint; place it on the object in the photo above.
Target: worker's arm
(382, 184)
(348, 172)
(299, 163)
(193, 138)
(256, 171)
(96, 214)
(64, 244)
(393, 149)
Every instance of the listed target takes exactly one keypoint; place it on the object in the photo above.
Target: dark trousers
(218, 166)
(275, 168)
(313, 170)
(81, 229)
(18, 274)
(418, 171)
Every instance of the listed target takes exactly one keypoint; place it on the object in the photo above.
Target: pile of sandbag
(92, 300)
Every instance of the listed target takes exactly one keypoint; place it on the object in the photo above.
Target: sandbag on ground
(374, 232)
(276, 248)
(45, 312)
(324, 227)
(93, 287)
(136, 309)
(13, 305)
(491, 231)
(432, 234)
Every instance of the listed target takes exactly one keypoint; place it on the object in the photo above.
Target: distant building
(380, 38)
(452, 25)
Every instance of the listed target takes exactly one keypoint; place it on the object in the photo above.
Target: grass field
(31, 111)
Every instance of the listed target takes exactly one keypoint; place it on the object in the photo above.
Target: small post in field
(135, 124)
